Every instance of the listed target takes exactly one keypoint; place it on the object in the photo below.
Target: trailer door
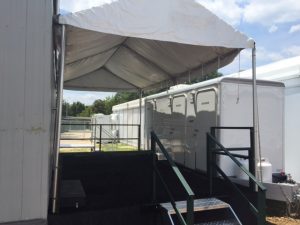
(206, 117)
(162, 121)
(178, 128)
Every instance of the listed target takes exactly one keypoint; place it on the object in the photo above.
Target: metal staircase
(210, 211)
(131, 187)
(191, 211)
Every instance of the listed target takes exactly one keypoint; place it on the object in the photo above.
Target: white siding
(25, 113)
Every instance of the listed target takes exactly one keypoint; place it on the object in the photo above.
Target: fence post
(252, 159)
(139, 137)
(190, 210)
(261, 205)
(153, 149)
(209, 164)
(100, 137)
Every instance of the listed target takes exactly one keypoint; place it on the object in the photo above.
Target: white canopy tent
(140, 45)
(130, 44)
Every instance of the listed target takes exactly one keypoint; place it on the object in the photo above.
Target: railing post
(261, 205)
(100, 137)
(153, 149)
(252, 159)
(139, 137)
(190, 210)
(212, 155)
(209, 163)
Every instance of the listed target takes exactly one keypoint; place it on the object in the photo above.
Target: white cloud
(294, 28)
(85, 97)
(240, 63)
(293, 50)
(263, 56)
(273, 28)
(228, 10)
(270, 12)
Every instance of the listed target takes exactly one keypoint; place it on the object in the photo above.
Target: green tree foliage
(98, 106)
(87, 112)
(209, 76)
(73, 109)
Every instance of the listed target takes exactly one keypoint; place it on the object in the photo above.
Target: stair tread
(199, 205)
(220, 222)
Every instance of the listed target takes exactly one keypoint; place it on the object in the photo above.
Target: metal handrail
(101, 127)
(190, 194)
(260, 210)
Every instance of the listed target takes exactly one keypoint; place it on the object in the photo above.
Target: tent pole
(255, 107)
(58, 121)
(140, 106)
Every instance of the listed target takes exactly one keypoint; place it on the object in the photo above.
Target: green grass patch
(119, 147)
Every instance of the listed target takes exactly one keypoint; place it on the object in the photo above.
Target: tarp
(142, 44)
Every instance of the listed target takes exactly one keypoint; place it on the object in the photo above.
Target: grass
(117, 147)
(120, 147)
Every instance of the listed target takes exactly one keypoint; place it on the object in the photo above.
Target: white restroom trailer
(106, 129)
(129, 113)
(182, 115)
(286, 71)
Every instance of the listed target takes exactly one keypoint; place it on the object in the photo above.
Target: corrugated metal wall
(25, 108)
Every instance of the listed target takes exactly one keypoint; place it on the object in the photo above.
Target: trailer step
(199, 205)
(220, 222)
(207, 211)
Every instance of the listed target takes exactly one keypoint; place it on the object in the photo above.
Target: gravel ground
(273, 220)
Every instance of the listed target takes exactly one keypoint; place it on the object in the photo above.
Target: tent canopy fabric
(142, 44)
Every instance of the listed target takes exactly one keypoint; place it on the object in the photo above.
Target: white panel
(205, 118)
(25, 96)
(178, 128)
(292, 130)
(12, 49)
(192, 132)
(236, 110)
(162, 122)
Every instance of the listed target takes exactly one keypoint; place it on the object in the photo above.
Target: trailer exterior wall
(214, 103)
(25, 115)
(236, 110)
(292, 126)
(288, 72)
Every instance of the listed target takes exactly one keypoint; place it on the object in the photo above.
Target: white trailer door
(178, 128)
(205, 118)
(162, 121)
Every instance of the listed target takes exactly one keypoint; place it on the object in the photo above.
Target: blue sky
(273, 24)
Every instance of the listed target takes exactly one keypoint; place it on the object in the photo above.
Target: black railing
(102, 133)
(214, 147)
(189, 193)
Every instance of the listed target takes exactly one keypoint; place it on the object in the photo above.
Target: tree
(98, 106)
(65, 108)
(87, 112)
(76, 108)
(209, 76)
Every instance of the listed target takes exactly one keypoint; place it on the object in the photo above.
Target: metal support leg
(54, 205)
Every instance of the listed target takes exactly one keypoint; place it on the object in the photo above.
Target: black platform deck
(118, 188)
